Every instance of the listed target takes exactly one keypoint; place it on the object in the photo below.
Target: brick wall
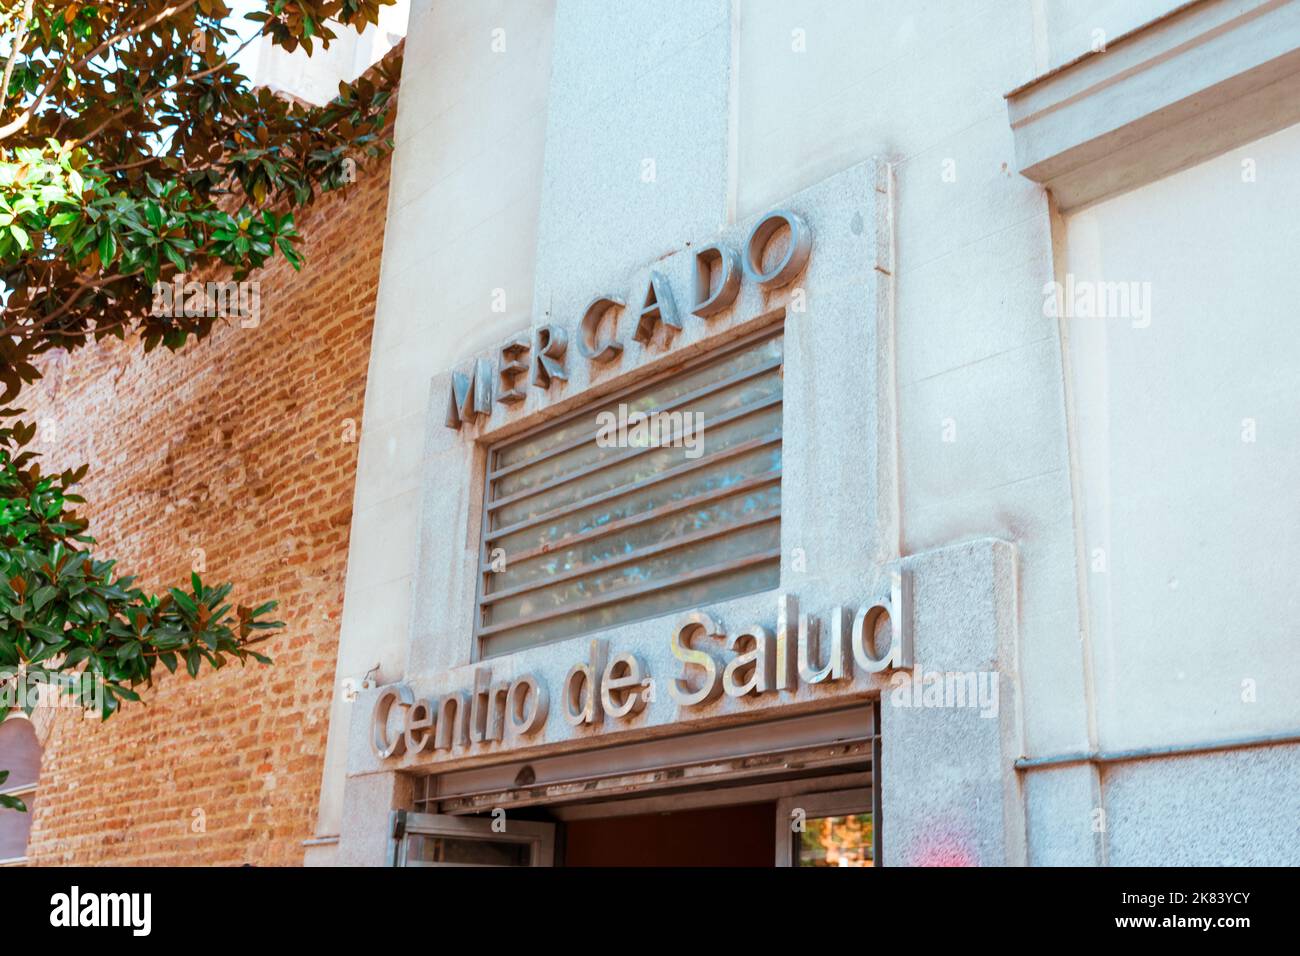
(239, 451)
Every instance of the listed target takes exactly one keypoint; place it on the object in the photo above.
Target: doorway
(807, 827)
(800, 791)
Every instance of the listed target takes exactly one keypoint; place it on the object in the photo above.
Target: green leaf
(183, 599)
(47, 652)
(107, 248)
(175, 257)
(76, 656)
(43, 596)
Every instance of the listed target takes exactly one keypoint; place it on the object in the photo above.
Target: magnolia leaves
(130, 154)
(7, 801)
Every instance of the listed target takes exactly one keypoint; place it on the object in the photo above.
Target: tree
(132, 152)
(127, 159)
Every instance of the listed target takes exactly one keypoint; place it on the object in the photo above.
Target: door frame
(539, 836)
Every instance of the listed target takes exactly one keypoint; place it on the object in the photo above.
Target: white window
(20, 755)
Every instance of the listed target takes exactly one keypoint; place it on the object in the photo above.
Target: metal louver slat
(663, 498)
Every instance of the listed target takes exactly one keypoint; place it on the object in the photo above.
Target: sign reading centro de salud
(541, 359)
(618, 687)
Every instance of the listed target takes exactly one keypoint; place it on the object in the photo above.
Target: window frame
(26, 791)
(832, 803)
(537, 836)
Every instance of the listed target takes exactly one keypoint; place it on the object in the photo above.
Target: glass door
(435, 839)
(835, 828)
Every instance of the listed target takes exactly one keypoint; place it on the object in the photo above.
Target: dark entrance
(740, 835)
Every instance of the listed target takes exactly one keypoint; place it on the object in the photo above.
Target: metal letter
(657, 307)
(453, 718)
(549, 345)
(582, 689)
(761, 658)
(471, 395)
(898, 612)
(838, 662)
(588, 345)
(621, 693)
(787, 621)
(796, 254)
(728, 285)
(383, 745)
(710, 689)
(497, 703)
(478, 710)
(526, 690)
(509, 369)
(420, 716)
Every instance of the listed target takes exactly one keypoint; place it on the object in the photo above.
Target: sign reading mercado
(540, 360)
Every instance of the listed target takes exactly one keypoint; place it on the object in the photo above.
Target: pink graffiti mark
(944, 847)
(945, 857)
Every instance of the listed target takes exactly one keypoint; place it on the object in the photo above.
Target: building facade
(800, 416)
(794, 433)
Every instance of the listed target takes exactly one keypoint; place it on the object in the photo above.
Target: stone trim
(1207, 78)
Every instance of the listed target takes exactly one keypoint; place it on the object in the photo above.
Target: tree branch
(175, 84)
(26, 329)
(132, 31)
(13, 54)
(21, 122)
